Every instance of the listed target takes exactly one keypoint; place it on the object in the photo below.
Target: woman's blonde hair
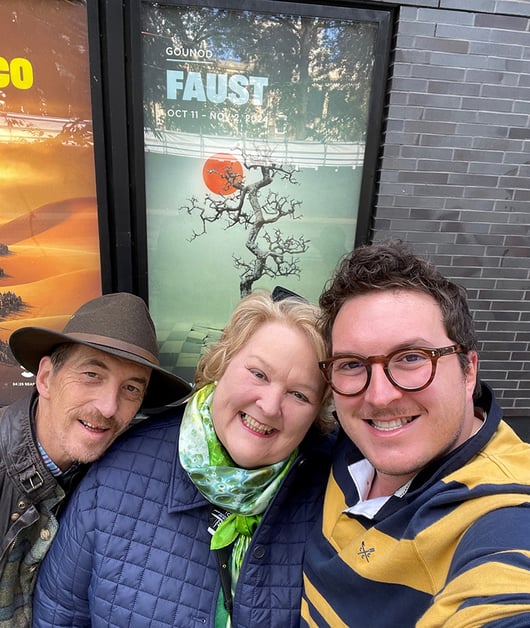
(252, 312)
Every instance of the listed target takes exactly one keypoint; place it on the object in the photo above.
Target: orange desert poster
(49, 243)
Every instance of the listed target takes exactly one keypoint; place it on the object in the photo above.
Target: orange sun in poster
(220, 171)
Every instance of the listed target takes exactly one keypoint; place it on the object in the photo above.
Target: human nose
(380, 391)
(107, 400)
(270, 401)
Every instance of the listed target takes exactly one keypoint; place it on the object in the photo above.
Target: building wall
(454, 176)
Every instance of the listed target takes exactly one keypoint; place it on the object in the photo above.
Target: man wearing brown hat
(91, 380)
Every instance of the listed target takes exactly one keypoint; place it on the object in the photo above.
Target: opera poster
(49, 243)
(255, 128)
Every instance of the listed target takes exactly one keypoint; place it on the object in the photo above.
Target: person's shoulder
(18, 408)
(166, 420)
(508, 445)
(318, 443)
(145, 451)
(15, 430)
(150, 436)
(502, 464)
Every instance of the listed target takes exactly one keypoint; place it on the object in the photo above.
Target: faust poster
(49, 245)
(255, 129)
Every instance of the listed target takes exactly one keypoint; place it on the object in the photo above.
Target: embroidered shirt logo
(365, 552)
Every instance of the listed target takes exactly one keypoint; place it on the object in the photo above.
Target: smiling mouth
(388, 426)
(93, 428)
(255, 425)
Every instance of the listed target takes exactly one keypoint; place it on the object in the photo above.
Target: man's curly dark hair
(391, 265)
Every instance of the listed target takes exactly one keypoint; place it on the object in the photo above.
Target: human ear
(42, 379)
(471, 371)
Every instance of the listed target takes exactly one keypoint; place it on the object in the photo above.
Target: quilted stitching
(149, 563)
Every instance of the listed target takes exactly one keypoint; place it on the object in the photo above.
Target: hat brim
(30, 344)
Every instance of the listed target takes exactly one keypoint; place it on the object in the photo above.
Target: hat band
(112, 343)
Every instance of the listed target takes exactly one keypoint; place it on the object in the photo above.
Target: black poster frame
(117, 93)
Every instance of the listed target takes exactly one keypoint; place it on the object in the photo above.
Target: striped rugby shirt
(452, 551)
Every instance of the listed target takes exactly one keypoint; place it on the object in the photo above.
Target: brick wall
(454, 176)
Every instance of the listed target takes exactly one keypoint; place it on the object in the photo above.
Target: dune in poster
(49, 243)
(255, 129)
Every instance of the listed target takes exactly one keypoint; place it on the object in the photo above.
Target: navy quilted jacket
(133, 545)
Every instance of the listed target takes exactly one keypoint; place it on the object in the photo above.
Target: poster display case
(259, 155)
(49, 240)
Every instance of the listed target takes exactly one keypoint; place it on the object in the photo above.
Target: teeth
(93, 427)
(390, 425)
(256, 426)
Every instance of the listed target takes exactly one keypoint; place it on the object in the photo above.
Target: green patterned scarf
(245, 493)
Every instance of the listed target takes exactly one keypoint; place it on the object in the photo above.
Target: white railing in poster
(303, 154)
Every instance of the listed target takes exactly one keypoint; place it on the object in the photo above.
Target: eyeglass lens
(406, 369)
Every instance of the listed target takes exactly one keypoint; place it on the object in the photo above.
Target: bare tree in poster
(274, 254)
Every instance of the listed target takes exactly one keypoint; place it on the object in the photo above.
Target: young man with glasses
(426, 520)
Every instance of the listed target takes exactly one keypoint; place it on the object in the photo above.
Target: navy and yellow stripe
(453, 552)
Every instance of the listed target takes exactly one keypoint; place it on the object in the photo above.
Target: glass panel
(49, 243)
(255, 131)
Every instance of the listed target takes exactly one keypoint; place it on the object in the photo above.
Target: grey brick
(410, 201)
(484, 192)
(496, 49)
(487, 168)
(428, 178)
(491, 77)
(522, 195)
(449, 87)
(474, 180)
(497, 294)
(515, 7)
(418, 152)
(474, 155)
(456, 141)
(442, 44)
(508, 229)
(452, 115)
(515, 182)
(445, 17)
(469, 5)
(416, 28)
(456, 75)
(487, 104)
(440, 167)
(405, 58)
(481, 315)
(513, 65)
(506, 22)
(467, 32)
(498, 144)
(464, 61)
(523, 134)
(506, 91)
(455, 168)
(476, 239)
(481, 130)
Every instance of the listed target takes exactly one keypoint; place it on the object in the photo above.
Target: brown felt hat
(118, 324)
